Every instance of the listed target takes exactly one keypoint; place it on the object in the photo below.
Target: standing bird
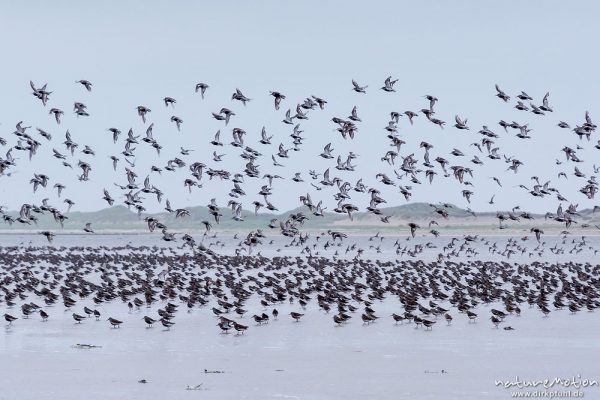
(239, 327)
(9, 318)
(296, 315)
(167, 323)
(495, 321)
(78, 318)
(115, 322)
(149, 321)
(448, 318)
(428, 324)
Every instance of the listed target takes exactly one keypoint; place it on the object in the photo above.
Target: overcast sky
(137, 52)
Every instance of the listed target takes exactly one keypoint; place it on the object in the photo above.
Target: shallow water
(311, 359)
(226, 244)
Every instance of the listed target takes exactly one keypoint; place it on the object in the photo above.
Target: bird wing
(545, 100)
(149, 131)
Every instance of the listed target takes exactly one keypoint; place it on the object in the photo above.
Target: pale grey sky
(137, 52)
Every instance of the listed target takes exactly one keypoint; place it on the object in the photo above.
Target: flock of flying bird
(345, 286)
(408, 172)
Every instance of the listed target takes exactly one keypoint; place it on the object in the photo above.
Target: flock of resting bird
(85, 280)
(343, 286)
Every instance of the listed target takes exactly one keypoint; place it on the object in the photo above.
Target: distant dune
(119, 219)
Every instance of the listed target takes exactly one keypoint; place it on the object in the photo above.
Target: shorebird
(202, 87)
(397, 318)
(149, 321)
(472, 316)
(225, 326)
(87, 84)
(499, 314)
(44, 315)
(389, 84)
(115, 322)
(448, 318)
(9, 318)
(428, 324)
(167, 323)
(296, 315)
(495, 321)
(357, 88)
(88, 228)
(367, 318)
(49, 235)
(78, 318)
(239, 327)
